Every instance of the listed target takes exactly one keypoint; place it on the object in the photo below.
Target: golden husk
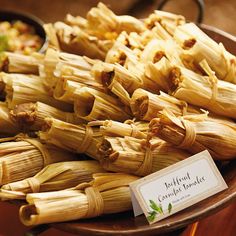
(197, 133)
(74, 138)
(135, 156)
(30, 116)
(24, 157)
(54, 177)
(106, 194)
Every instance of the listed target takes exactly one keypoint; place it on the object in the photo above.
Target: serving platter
(127, 224)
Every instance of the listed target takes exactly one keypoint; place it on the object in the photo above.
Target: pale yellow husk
(54, 177)
(7, 125)
(91, 104)
(106, 194)
(30, 116)
(22, 88)
(74, 138)
(24, 157)
(197, 133)
(200, 46)
(136, 156)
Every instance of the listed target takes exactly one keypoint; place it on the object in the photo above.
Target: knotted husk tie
(34, 184)
(134, 130)
(146, 166)
(95, 202)
(86, 141)
(45, 154)
(190, 134)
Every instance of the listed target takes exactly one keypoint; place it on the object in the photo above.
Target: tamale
(91, 104)
(54, 177)
(196, 133)
(200, 46)
(146, 105)
(136, 156)
(74, 138)
(136, 129)
(7, 125)
(25, 64)
(30, 116)
(205, 91)
(22, 88)
(106, 194)
(24, 157)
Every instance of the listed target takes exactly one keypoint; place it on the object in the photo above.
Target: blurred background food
(218, 13)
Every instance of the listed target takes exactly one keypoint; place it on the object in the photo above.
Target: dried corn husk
(106, 194)
(54, 60)
(54, 177)
(30, 116)
(199, 46)
(205, 91)
(75, 138)
(7, 126)
(21, 88)
(128, 128)
(146, 105)
(167, 20)
(134, 156)
(197, 133)
(102, 21)
(25, 64)
(91, 104)
(24, 157)
(73, 39)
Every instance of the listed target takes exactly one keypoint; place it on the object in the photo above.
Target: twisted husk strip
(135, 156)
(31, 116)
(22, 157)
(106, 194)
(54, 177)
(196, 133)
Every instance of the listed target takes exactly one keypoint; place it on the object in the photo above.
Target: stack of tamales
(135, 97)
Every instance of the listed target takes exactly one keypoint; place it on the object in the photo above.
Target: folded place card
(176, 187)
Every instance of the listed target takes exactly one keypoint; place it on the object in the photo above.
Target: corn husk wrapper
(156, 49)
(74, 138)
(7, 125)
(24, 157)
(22, 88)
(76, 21)
(205, 91)
(106, 194)
(146, 105)
(91, 104)
(30, 116)
(196, 133)
(136, 129)
(135, 156)
(167, 20)
(102, 21)
(54, 177)
(25, 64)
(199, 46)
(73, 39)
(53, 60)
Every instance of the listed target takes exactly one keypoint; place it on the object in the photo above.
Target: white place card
(176, 187)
